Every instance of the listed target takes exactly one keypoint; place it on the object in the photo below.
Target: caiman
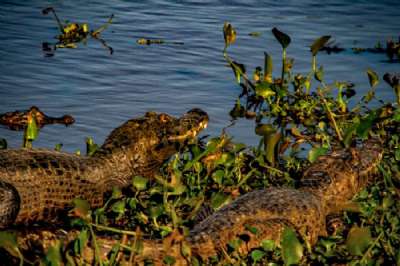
(325, 188)
(39, 184)
(18, 120)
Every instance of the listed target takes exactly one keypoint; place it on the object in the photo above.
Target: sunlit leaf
(219, 199)
(282, 38)
(8, 241)
(358, 240)
(268, 244)
(140, 183)
(264, 90)
(319, 74)
(218, 176)
(268, 67)
(264, 129)
(229, 34)
(118, 207)
(81, 208)
(315, 152)
(53, 256)
(257, 255)
(58, 147)
(373, 78)
(91, 147)
(318, 44)
(292, 250)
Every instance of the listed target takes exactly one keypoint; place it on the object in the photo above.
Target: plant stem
(330, 115)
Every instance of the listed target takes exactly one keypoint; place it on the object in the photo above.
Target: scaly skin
(326, 186)
(39, 184)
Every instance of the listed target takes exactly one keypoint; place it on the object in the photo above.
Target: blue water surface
(102, 91)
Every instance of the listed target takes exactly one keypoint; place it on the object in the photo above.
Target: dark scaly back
(338, 176)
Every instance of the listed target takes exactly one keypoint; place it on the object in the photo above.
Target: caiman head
(145, 142)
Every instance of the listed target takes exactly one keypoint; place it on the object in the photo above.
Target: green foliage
(292, 249)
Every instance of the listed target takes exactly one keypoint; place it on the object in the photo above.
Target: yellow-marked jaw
(188, 126)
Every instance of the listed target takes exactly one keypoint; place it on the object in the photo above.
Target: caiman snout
(189, 125)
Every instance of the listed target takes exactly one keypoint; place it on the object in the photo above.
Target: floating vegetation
(392, 49)
(71, 34)
(298, 117)
(143, 41)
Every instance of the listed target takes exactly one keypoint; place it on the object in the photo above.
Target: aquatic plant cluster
(298, 118)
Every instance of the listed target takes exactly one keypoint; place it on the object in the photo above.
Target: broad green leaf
(218, 176)
(3, 144)
(358, 240)
(318, 44)
(116, 193)
(264, 129)
(31, 130)
(365, 125)
(268, 244)
(81, 241)
(8, 241)
(218, 199)
(81, 208)
(91, 147)
(229, 34)
(264, 90)
(118, 207)
(373, 78)
(319, 74)
(53, 256)
(168, 260)
(282, 38)
(156, 211)
(238, 70)
(58, 147)
(270, 143)
(257, 255)
(315, 152)
(140, 183)
(292, 250)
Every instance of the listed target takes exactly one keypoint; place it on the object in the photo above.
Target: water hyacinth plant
(298, 117)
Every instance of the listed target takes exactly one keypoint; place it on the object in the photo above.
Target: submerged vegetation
(298, 118)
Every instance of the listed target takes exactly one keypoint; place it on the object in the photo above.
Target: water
(102, 91)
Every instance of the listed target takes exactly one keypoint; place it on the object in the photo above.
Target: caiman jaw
(190, 125)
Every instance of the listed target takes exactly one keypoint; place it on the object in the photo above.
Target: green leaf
(318, 44)
(292, 250)
(8, 241)
(119, 207)
(365, 125)
(270, 143)
(218, 176)
(168, 260)
(268, 244)
(3, 144)
(81, 208)
(268, 67)
(257, 255)
(218, 199)
(140, 183)
(373, 78)
(282, 38)
(53, 256)
(264, 90)
(315, 152)
(319, 74)
(264, 129)
(229, 34)
(91, 147)
(81, 242)
(156, 211)
(358, 240)
(238, 70)
(58, 147)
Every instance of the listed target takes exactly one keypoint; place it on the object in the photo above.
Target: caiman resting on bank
(39, 184)
(325, 188)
